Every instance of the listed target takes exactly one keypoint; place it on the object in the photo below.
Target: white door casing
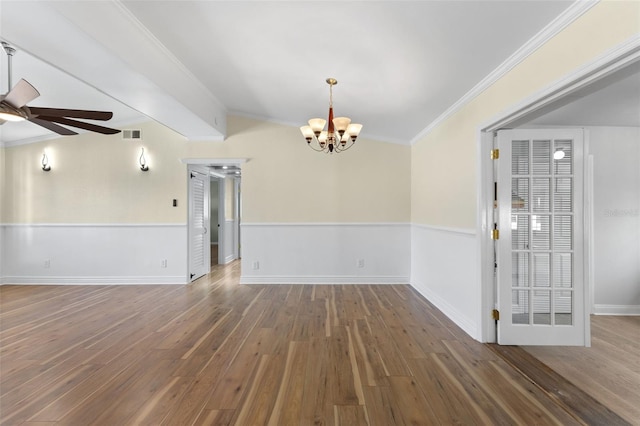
(540, 256)
(199, 245)
(222, 231)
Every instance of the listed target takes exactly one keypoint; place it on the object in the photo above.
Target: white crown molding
(573, 12)
(606, 64)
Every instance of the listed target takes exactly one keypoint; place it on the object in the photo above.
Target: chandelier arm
(315, 149)
(347, 146)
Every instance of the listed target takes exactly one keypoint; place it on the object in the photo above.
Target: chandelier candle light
(341, 134)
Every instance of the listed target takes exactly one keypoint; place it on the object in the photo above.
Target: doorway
(225, 212)
(225, 174)
(590, 80)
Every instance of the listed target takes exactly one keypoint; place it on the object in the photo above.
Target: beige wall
(96, 179)
(229, 199)
(444, 162)
(2, 185)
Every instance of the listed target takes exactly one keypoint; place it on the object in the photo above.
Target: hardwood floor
(609, 370)
(216, 352)
(214, 255)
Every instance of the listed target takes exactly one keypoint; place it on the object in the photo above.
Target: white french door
(199, 244)
(539, 252)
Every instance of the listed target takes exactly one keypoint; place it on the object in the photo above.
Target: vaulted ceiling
(188, 64)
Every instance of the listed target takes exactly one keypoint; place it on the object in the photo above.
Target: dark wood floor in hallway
(216, 352)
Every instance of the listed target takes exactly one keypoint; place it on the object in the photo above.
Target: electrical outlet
(47, 264)
(256, 265)
(163, 263)
(360, 263)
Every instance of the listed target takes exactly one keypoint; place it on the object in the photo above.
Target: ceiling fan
(13, 107)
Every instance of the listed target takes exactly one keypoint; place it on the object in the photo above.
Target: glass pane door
(537, 260)
(541, 225)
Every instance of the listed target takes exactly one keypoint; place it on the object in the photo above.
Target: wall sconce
(45, 162)
(143, 161)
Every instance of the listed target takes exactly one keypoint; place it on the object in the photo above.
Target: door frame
(222, 234)
(585, 79)
(211, 161)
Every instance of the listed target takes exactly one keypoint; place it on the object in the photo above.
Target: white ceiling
(187, 64)
(615, 101)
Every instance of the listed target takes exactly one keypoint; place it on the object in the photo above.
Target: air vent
(131, 134)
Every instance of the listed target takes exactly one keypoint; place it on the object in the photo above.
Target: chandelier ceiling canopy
(340, 135)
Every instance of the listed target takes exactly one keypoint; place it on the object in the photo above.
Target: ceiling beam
(103, 45)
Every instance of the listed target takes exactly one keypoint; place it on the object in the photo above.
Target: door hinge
(495, 314)
(495, 154)
(495, 234)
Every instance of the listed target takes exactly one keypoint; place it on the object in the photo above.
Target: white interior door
(199, 245)
(541, 290)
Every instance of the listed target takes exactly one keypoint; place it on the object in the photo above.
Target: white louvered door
(199, 244)
(540, 246)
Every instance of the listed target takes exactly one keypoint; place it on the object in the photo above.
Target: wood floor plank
(232, 384)
(316, 398)
(579, 403)
(380, 407)
(342, 385)
(348, 415)
(215, 417)
(158, 407)
(477, 394)
(262, 393)
(370, 364)
(288, 405)
(411, 402)
(445, 395)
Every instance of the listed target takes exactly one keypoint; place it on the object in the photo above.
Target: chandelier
(341, 134)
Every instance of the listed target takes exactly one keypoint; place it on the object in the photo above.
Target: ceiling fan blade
(73, 113)
(81, 125)
(21, 94)
(53, 127)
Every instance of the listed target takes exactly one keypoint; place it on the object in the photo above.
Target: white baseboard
(616, 309)
(461, 320)
(229, 259)
(307, 279)
(94, 280)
